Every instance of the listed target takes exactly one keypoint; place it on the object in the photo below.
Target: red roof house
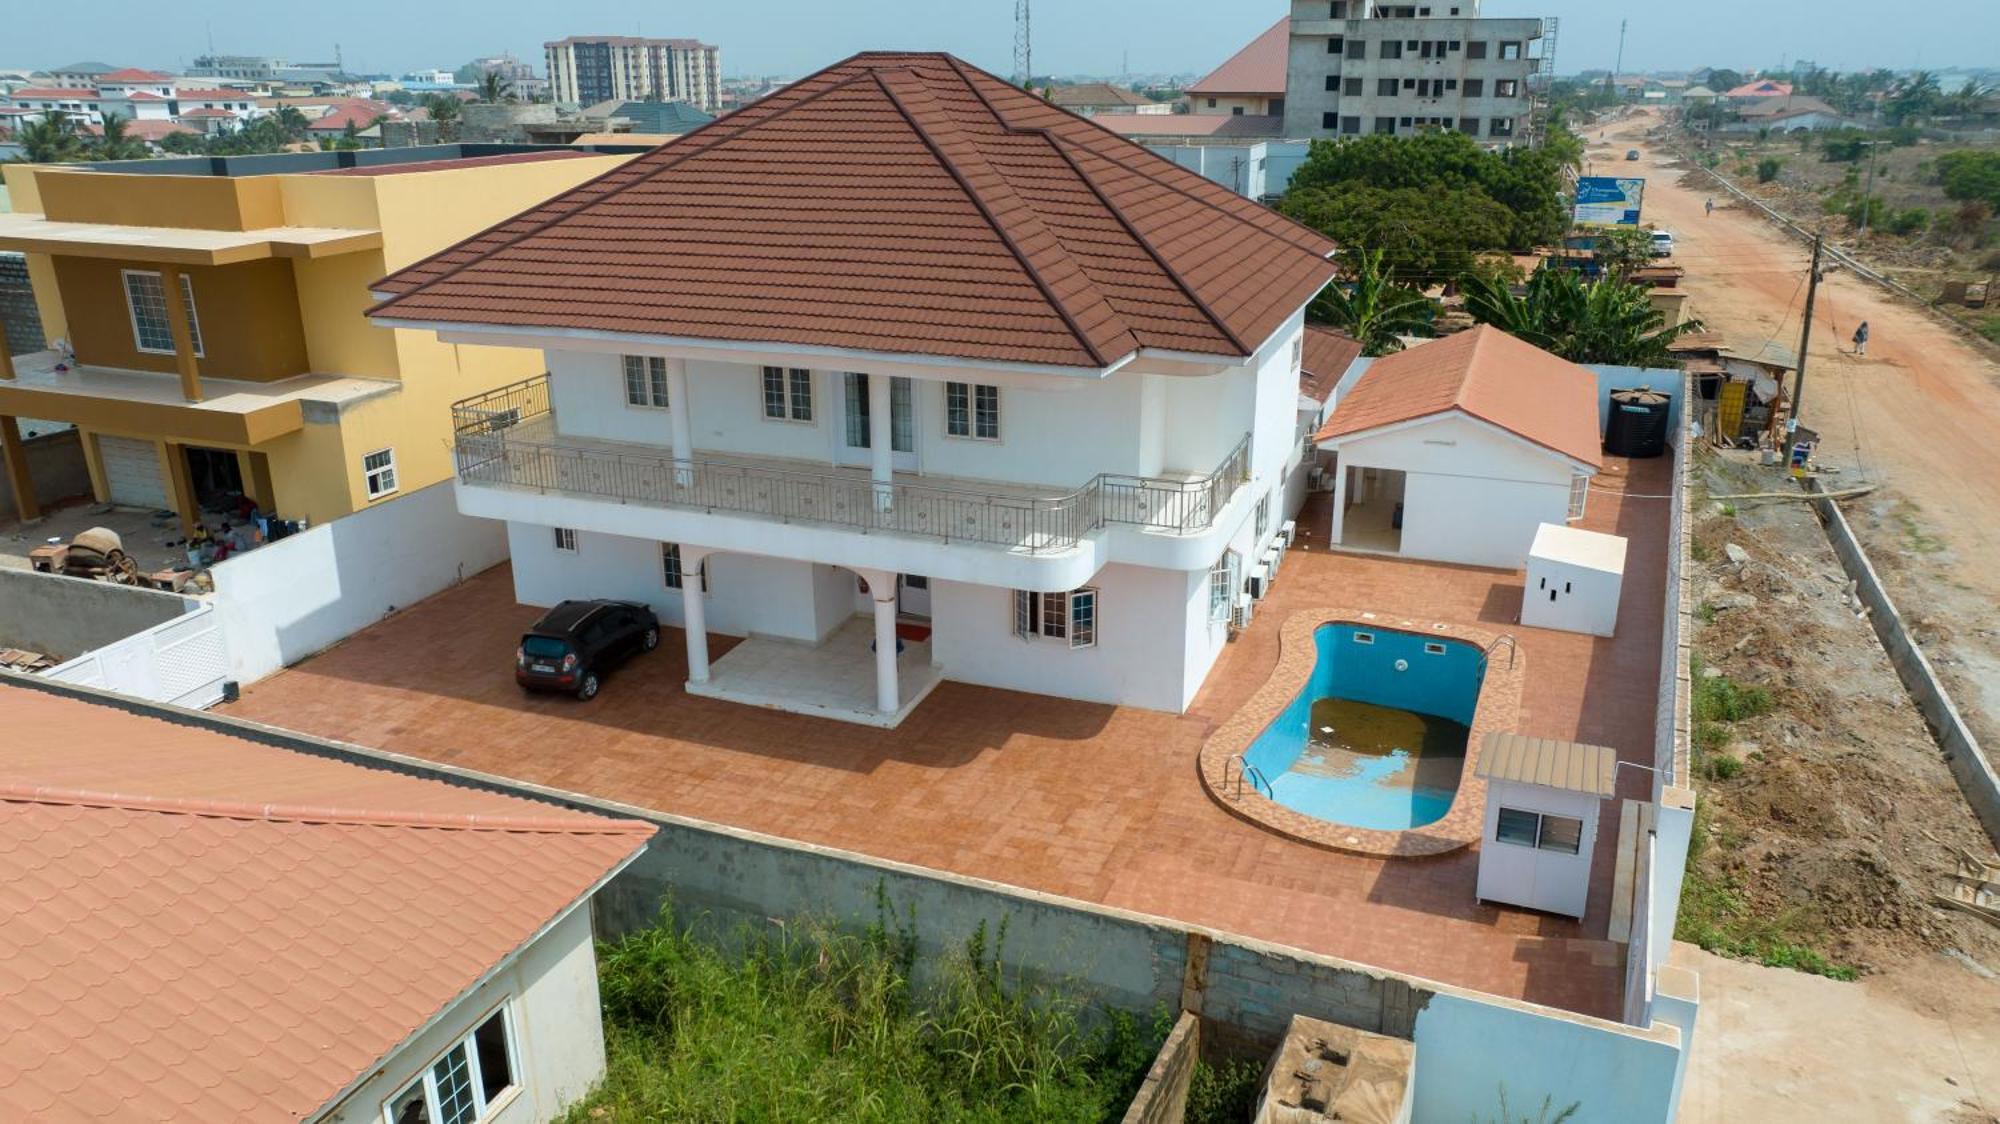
(1256, 71)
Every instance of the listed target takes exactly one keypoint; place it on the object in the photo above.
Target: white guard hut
(1542, 803)
(1574, 579)
(1457, 450)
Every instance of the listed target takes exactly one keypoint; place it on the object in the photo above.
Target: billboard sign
(1609, 200)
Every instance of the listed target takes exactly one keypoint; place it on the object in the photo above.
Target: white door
(132, 472)
(913, 595)
(854, 417)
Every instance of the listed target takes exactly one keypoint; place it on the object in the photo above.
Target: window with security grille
(146, 299)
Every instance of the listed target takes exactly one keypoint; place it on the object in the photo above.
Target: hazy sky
(1071, 36)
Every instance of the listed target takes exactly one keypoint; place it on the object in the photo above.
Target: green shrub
(1722, 699)
(1224, 1093)
(1910, 220)
(1767, 169)
(1971, 176)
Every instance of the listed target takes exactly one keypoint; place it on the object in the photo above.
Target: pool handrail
(1507, 638)
(1245, 769)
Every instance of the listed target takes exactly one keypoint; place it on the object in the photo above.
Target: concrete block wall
(55, 464)
(64, 617)
(1962, 752)
(1162, 1097)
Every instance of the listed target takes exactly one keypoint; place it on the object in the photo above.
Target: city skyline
(1095, 37)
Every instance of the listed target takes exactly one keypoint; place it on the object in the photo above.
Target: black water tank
(1638, 425)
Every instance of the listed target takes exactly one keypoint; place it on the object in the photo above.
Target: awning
(1569, 766)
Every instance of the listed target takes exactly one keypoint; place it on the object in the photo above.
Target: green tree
(1918, 99)
(114, 143)
(1529, 183)
(1971, 175)
(51, 140)
(1767, 169)
(493, 88)
(1370, 307)
(444, 109)
(291, 122)
(1427, 235)
(1622, 249)
(1602, 321)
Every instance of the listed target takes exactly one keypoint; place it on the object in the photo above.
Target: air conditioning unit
(1272, 555)
(1287, 531)
(1239, 613)
(1259, 583)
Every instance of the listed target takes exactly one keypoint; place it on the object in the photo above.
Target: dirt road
(1919, 414)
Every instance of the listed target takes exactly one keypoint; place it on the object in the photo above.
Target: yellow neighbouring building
(271, 381)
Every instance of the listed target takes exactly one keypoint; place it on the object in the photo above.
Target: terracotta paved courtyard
(1094, 802)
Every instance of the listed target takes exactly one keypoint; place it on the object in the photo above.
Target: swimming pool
(1377, 736)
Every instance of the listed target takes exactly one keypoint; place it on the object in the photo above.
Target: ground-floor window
(1222, 582)
(1539, 830)
(464, 1082)
(1071, 616)
(670, 567)
(1579, 494)
(566, 539)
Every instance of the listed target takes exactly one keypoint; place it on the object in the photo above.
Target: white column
(677, 418)
(881, 440)
(882, 589)
(694, 613)
(1339, 503)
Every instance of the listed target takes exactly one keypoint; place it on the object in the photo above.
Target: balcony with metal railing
(508, 439)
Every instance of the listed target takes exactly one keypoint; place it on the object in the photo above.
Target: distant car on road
(577, 642)
(1631, 154)
(1663, 244)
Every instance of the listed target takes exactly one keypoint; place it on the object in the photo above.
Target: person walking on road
(1861, 338)
(1710, 204)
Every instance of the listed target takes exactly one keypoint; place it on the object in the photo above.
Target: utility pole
(1805, 340)
(1611, 83)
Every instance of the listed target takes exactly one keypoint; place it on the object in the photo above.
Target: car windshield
(544, 647)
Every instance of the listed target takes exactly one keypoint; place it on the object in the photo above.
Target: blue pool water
(1368, 744)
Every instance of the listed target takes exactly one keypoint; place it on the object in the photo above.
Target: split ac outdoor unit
(1239, 613)
(1260, 582)
(1287, 531)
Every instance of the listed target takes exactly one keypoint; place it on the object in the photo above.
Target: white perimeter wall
(558, 1033)
(1474, 495)
(286, 600)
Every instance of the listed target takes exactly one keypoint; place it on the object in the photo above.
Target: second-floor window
(972, 410)
(788, 394)
(146, 297)
(1263, 516)
(646, 381)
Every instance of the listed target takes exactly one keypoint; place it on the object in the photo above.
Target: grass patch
(1718, 698)
(1715, 916)
(806, 1022)
(1698, 550)
(1915, 537)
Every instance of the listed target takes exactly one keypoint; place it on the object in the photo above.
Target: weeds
(1224, 1092)
(1714, 915)
(808, 1022)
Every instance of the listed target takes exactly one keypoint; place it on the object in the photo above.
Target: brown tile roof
(1484, 373)
(1095, 94)
(198, 926)
(899, 203)
(1328, 355)
(1258, 69)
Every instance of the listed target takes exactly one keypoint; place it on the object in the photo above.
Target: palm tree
(494, 88)
(291, 121)
(1371, 309)
(115, 144)
(51, 140)
(444, 110)
(1602, 321)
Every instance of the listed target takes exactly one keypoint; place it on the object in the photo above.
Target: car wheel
(651, 640)
(587, 688)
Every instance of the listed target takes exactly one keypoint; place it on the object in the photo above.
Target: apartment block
(585, 70)
(1359, 68)
(211, 328)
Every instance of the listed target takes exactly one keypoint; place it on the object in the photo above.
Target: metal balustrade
(502, 442)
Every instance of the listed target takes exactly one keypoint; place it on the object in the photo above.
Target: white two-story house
(902, 374)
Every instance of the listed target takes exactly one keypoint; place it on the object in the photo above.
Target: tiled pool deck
(1094, 802)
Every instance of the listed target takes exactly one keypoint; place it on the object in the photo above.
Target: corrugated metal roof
(1570, 766)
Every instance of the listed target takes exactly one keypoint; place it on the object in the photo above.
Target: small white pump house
(1458, 450)
(1543, 800)
(1574, 579)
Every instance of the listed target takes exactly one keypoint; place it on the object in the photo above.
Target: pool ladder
(1245, 769)
(1512, 649)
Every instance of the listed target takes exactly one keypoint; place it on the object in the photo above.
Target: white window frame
(1223, 582)
(980, 402)
(1579, 495)
(132, 311)
(379, 480)
(1542, 840)
(652, 385)
(674, 574)
(794, 395)
(566, 539)
(1263, 518)
(483, 1109)
(1074, 617)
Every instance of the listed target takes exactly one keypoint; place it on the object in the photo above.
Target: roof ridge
(686, 152)
(322, 814)
(979, 200)
(1060, 148)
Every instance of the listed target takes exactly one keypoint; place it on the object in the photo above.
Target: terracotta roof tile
(1258, 69)
(1328, 355)
(196, 926)
(903, 203)
(1484, 373)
